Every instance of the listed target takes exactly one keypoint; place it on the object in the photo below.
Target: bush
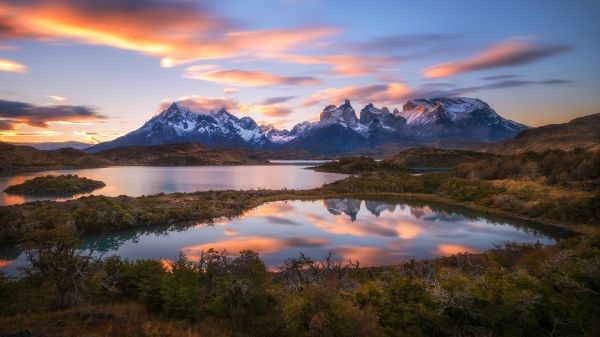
(139, 279)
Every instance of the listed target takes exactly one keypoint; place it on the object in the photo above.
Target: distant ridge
(582, 132)
(56, 145)
(27, 158)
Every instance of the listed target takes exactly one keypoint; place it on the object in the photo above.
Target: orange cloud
(266, 110)
(12, 66)
(273, 208)
(366, 256)
(262, 245)
(5, 263)
(343, 225)
(231, 231)
(203, 103)
(342, 65)
(176, 31)
(56, 98)
(408, 230)
(392, 93)
(508, 53)
(449, 249)
(238, 77)
(230, 91)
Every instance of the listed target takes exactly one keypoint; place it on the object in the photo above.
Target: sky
(94, 70)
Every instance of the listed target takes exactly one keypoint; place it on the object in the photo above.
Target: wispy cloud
(343, 65)
(508, 53)
(56, 98)
(276, 100)
(175, 31)
(239, 77)
(447, 89)
(12, 66)
(381, 93)
(13, 113)
(203, 103)
(266, 110)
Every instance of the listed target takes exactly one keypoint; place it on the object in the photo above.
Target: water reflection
(374, 232)
(145, 180)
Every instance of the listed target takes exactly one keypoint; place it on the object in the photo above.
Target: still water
(374, 232)
(144, 180)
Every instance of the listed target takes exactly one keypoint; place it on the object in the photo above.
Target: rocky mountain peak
(339, 114)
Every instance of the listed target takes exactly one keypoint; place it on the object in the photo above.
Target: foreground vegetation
(55, 185)
(511, 290)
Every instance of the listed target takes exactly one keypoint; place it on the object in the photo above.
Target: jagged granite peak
(374, 118)
(368, 113)
(350, 207)
(339, 114)
(376, 207)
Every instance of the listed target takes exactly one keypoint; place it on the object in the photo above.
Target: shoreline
(313, 194)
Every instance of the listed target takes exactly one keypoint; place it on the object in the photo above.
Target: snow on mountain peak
(425, 111)
(343, 114)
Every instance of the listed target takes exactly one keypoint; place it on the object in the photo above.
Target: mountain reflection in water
(374, 232)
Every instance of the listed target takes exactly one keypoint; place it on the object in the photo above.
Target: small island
(55, 185)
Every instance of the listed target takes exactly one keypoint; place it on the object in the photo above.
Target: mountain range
(447, 121)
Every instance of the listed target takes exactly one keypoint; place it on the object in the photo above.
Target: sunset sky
(94, 70)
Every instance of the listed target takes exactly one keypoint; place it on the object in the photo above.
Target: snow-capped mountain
(440, 121)
(179, 124)
(458, 118)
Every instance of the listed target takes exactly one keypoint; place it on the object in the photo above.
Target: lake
(145, 180)
(374, 232)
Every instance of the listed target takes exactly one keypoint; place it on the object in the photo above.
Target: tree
(54, 255)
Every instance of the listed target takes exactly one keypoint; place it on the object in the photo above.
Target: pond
(145, 180)
(374, 232)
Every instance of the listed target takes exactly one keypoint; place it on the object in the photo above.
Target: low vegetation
(349, 165)
(511, 290)
(15, 158)
(55, 185)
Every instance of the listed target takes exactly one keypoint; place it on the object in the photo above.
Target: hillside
(416, 160)
(425, 158)
(26, 158)
(582, 132)
(56, 145)
(180, 154)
